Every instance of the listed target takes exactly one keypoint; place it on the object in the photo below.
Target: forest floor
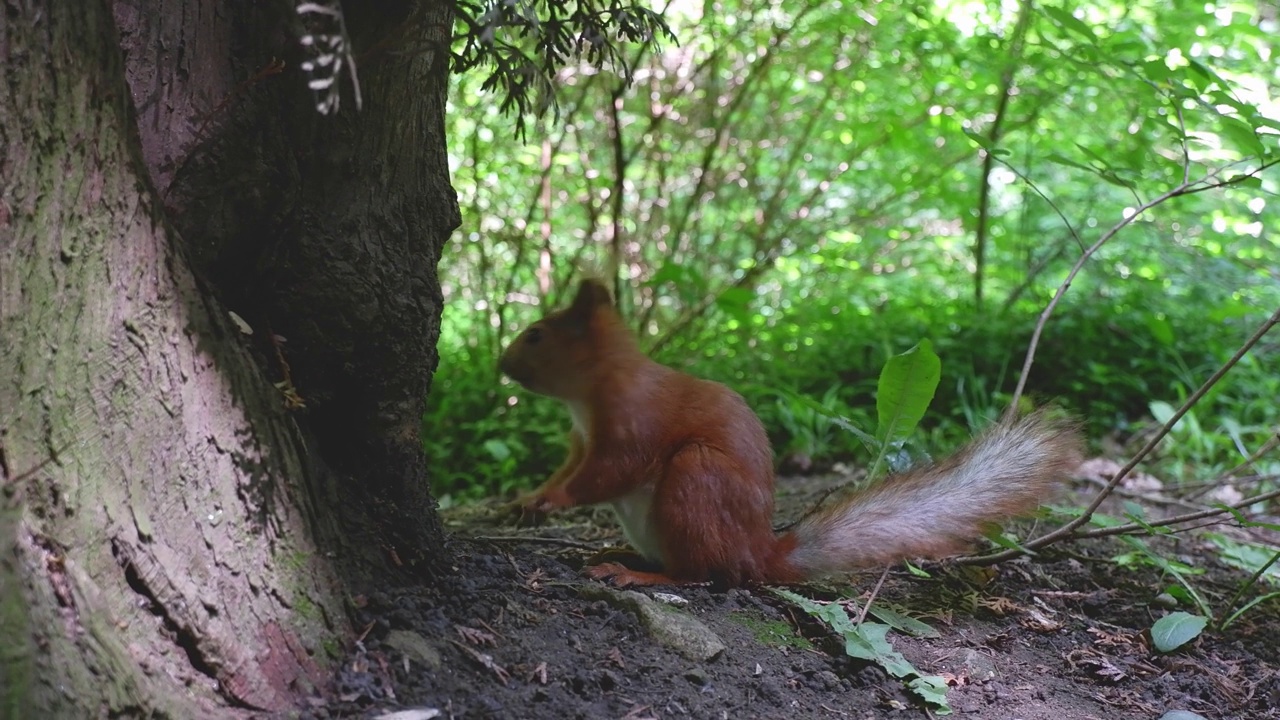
(518, 633)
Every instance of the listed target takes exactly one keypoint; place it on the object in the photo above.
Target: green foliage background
(794, 192)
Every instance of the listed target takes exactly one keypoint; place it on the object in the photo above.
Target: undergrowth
(1117, 362)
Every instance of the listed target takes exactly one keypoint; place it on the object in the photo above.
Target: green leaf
(1004, 541)
(736, 303)
(1070, 22)
(1161, 411)
(903, 623)
(869, 641)
(829, 415)
(906, 388)
(1095, 156)
(669, 273)
(1180, 593)
(1261, 121)
(981, 141)
(1063, 160)
(1176, 629)
(1207, 73)
(1248, 181)
(1161, 329)
(1249, 557)
(497, 449)
(1243, 136)
(1156, 70)
(1178, 570)
(1246, 522)
(933, 690)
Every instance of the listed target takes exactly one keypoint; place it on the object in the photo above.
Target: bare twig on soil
(534, 539)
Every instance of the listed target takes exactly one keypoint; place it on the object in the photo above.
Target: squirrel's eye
(533, 335)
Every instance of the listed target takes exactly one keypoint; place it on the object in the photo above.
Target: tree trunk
(325, 231)
(164, 509)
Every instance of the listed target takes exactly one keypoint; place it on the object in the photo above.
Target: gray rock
(415, 647)
(677, 630)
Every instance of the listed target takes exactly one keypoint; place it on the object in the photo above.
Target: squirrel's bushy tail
(937, 510)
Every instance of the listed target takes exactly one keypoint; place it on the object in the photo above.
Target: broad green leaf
(1242, 136)
(906, 388)
(869, 641)
(1180, 593)
(1156, 70)
(1208, 73)
(1175, 630)
(933, 690)
(903, 623)
(1249, 557)
(1261, 121)
(1070, 22)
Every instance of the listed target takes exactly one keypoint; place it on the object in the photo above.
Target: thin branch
(539, 540)
(1069, 529)
(1141, 528)
(1036, 189)
(714, 145)
(1182, 139)
(1180, 190)
(989, 156)
(1244, 587)
(620, 163)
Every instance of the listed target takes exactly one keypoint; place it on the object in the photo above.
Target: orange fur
(689, 470)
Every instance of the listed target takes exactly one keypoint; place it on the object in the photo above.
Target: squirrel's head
(557, 355)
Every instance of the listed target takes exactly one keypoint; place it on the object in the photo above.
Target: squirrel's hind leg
(713, 517)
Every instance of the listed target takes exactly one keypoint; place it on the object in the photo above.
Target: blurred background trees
(792, 192)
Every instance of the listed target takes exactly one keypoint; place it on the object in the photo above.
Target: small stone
(829, 680)
(977, 666)
(415, 647)
(697, 676)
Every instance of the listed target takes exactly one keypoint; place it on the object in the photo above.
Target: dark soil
(518, 633)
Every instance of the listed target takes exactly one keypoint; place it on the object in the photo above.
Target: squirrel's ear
(592, 294)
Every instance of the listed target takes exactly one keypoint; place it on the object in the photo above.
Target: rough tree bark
(323, 230)
(171, 535)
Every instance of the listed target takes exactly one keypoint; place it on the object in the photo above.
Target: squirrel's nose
(510, 369)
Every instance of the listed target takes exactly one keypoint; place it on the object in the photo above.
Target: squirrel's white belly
(633, 514)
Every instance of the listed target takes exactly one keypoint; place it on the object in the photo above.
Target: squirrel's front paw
(532, 509)
(523, 511)
(617, 573)
(622, 576)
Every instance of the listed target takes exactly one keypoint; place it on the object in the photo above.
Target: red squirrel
(689, 470)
